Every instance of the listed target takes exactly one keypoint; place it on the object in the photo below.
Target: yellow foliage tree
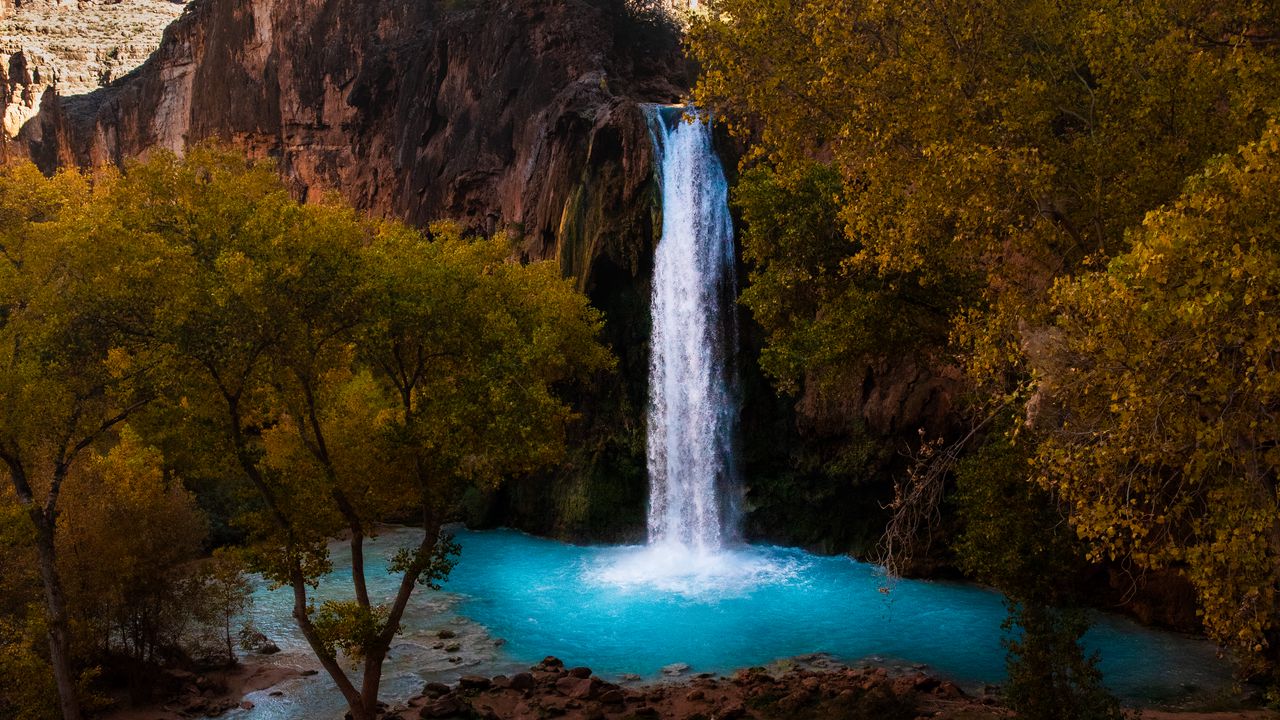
(1159, 388)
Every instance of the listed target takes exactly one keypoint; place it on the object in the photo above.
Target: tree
(27, 690)
(983, 152)
(1158, 388)
(75, 298)
(358, 371)
(127, 552)
(1029, 552)
(971, 134)
(227, 594)
(980, 148)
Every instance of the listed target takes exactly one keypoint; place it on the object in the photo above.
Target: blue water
(546, 597)
(514, 598)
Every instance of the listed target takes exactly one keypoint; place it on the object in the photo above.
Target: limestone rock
(72, 48)
(521, 681)
(445, 707)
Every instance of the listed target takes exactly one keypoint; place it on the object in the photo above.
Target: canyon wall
(520, 114)
(71, 47)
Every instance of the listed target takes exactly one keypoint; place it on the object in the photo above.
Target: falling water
(693, 407)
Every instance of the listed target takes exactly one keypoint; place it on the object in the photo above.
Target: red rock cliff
(502, 113)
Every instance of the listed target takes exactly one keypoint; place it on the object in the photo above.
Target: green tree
(359, 372)
(1158, 389)
(984, 143)
(127, 553)
(985, 151)
(76, 295)
(1029, 552)
(227, 594)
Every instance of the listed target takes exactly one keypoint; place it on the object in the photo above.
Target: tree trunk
(372, 680)
(357, 565)
(56, 606)
(353, 697)
(375, 656)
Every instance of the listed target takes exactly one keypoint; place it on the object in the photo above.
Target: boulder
(445, 707)
(474, 682)
(948, 690)
(521, 681)
(577, 688)
(435, 689)
(924, 683)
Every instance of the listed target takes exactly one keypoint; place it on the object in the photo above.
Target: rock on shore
(550, 690)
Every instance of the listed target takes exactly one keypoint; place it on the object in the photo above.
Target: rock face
(72, 47)
(519, 113)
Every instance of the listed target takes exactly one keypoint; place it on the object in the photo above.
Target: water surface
(514, 598)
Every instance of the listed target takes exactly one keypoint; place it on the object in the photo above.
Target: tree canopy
(1158, 392)
(333, 371)
(1073, 201)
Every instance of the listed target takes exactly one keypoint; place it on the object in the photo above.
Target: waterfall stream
(693, 407)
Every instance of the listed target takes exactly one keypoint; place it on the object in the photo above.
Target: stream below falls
(619, 610)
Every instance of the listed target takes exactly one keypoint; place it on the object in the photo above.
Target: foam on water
(677, 569)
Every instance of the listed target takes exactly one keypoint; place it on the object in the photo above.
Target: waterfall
(693, 406)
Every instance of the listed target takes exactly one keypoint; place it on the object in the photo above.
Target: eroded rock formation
(72, 47)
(519, 114)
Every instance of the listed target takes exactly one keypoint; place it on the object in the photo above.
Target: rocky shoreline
(812, 687)
(551, 690)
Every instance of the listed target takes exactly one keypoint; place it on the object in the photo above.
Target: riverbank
(790, 691)
(808, 688)
(805, 688)
(208, 694)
